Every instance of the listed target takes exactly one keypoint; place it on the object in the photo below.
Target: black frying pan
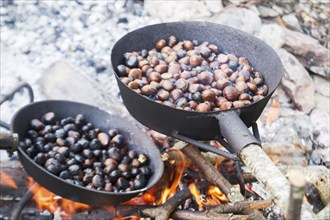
(230, 124)
(135, 137)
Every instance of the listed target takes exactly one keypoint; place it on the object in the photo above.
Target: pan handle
(204, 146)
(233, 129)
(11, 96)
(9, 142)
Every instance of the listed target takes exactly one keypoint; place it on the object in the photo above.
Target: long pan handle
(204, 146)
(250, 152)
(233, 129)
(9, 142)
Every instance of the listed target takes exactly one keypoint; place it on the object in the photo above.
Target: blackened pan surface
(135, 137)
(201, 126)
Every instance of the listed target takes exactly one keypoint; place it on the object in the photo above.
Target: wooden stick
(217, 212)
(125, 211)
(285, 148)
(316, 175)
(211, 173)
(216, 178)
(297, 192)
(271, 178)
(175, 157)
(205, 215)
(17, 209)
(239, 207)
(164, 211)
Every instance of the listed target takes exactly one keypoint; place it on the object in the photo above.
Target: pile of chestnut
(192, 76)
(76, 151)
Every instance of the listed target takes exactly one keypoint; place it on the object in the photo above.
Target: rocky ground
(62, 48)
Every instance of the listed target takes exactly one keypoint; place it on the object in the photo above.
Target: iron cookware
(134, 136)
(231, 126)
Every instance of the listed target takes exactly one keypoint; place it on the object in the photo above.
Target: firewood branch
(211, 173)
(222, 211)
(206, 215)
(316, 175)
(216, 178)
(297, 191)
(239, 207)
(164, 211)
(271, 178)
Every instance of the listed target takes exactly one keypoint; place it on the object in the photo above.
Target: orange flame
(175, 178)
(195, 192)
(145, 199)
(217, 162)
(51, 202)
(215, 196)
(6, 180)
(149, 198)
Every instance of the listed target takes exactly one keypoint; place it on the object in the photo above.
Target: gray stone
(254, 9)
(185, 10)
(61, 81)
(322, 85)
(214, 6)
(278, 9)
(240, 18)
(322, 71)
(284, 130)
(321, 157)
(291, 130)
(237, 2)
(297, 82)
(322, 94)
(272, 34)
(322, 103)
(321, 128)
(291, 21)
(309, 51)
(266, 12)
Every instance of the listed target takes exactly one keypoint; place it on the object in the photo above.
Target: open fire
(6, 180)
(46, 200)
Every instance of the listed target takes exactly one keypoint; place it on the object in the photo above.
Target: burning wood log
(175, 157)
(21, 204)
(164, 211)
(211, 174)
(214, 177)
(271, 178)
(206, 215)
(215, 212)
(297, 191)
(122, 211)
(239, 207)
